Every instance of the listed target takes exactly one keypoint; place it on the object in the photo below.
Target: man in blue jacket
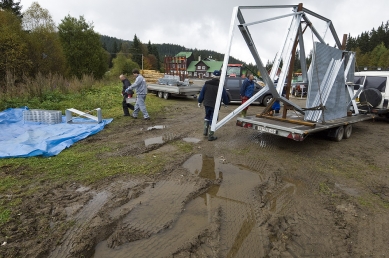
(208, 96)
(141, 91)
(246, 92)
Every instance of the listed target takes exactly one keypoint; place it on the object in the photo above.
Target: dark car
(233, 84)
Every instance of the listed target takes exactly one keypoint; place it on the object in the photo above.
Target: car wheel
(160, 94)
(166, 95)
(266, 100)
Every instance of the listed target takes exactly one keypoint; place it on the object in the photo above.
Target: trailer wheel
(348, 129)
(160, 94)
(166, 95)
(339, 134)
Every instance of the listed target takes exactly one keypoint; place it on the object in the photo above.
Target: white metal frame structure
(294, 33)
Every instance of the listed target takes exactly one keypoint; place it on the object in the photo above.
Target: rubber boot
(206, 127)
(211, 137)
(243, 113)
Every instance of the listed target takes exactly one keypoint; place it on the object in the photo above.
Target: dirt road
(247, 194)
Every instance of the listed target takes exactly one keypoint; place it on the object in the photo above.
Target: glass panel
(359, 79)
(375, 82)
(233, 71)
(233, 83)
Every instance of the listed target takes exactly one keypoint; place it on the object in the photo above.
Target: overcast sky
(204, 24)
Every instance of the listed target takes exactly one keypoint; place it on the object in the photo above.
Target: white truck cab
(374, 96)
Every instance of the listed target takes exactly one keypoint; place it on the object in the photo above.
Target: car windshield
(233, 71)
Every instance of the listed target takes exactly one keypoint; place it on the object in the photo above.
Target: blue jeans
(140, 106)
(209, 113)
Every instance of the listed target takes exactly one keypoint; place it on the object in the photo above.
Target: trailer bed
(293, 130)
(166, 90)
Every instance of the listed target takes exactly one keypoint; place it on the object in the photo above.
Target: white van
(374, 96)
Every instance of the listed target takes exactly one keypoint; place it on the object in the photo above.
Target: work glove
(199, 104)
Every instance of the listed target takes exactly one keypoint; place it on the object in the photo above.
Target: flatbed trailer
(165, 91)
(295, 128)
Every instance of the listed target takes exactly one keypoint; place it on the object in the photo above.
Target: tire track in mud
(369, 241)
(166, 198)
(286, 226)
(149, 216)
(81, 221)
(70, 243)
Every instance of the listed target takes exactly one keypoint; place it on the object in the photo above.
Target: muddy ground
(247, 194)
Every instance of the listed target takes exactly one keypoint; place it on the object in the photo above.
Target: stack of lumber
(152, 76)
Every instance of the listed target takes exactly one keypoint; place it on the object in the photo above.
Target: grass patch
(4, 215)
(183, 146)
(324, 188)
(364, 201)
(8, 182)
(85, 162)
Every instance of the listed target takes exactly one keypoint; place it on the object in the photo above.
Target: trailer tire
(348, 129)
(160, 94)
(166, 95)
(339, 133)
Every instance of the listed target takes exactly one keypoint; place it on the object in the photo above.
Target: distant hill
(167, 49)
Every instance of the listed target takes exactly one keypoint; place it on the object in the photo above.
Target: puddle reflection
(155, 140)
(230, 201)
(156, 127)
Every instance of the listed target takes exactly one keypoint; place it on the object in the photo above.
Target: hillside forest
(33, 46)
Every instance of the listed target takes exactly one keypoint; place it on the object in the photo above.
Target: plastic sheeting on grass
(20, 138)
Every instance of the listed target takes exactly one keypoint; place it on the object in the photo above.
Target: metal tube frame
(294, 31)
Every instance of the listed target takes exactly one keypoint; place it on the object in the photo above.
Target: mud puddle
(154, 140)
(156, 127)
(220, 215)
(216, 209)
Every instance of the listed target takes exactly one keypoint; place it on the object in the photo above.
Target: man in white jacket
(140, 87)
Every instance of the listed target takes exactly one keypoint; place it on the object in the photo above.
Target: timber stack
(152, 76)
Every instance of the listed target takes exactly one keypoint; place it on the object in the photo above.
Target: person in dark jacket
(126, 84)
(246, 92)
(207, 97)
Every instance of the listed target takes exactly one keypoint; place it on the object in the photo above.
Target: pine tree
(9, 5)
(136, 51)
(149, 48)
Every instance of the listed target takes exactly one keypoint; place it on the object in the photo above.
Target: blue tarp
(20, 138)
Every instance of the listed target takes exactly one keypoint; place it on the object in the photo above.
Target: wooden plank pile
(152, 76)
